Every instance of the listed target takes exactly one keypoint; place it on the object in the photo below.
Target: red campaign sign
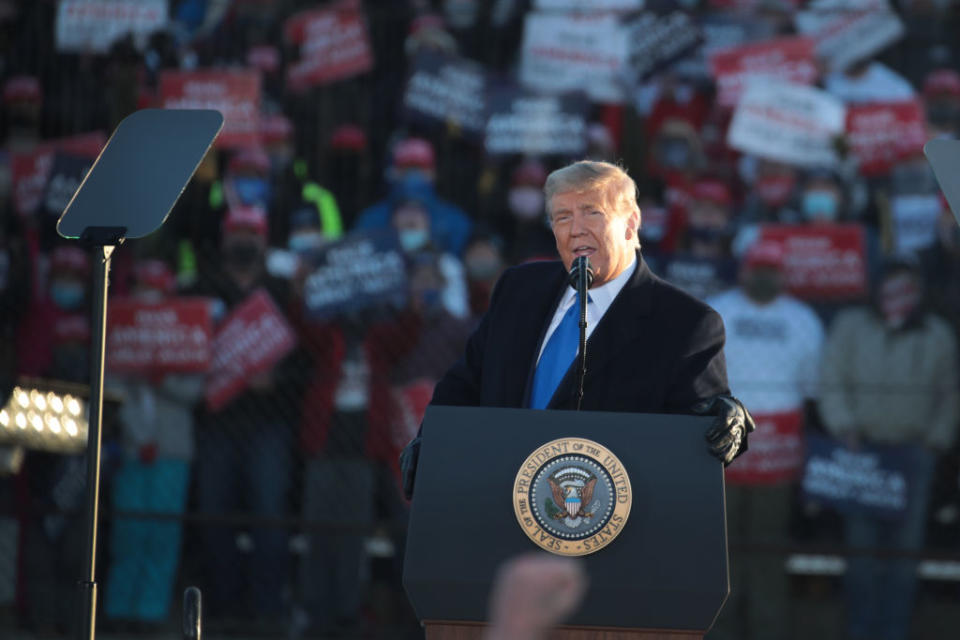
(822, 262)
(235, 94)
(334, 44)
(775, 454)
(251, 340)
(29, 171)
(881, 134)
(173, 336)
(788, 59)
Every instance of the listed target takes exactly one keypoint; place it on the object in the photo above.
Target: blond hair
(617, 188)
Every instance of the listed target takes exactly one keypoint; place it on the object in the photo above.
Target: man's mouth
(583, 250)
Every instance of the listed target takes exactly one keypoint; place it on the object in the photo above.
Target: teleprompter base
(441, 630)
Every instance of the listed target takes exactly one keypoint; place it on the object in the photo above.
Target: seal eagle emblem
(572, 496)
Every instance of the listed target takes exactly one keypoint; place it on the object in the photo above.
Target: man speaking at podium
(651, 348)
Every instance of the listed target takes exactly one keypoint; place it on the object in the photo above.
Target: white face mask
(525, 202)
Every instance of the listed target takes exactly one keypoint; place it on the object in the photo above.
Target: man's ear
(633, 224)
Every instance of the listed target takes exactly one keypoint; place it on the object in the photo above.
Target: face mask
(482, 269)
(820, 205)
(774, 191)
(242, 255)
(430, 299)
(252, 190)
(899, 297)
(526, 203)
(413, 239)
(762, 287)
(67, 295)
(150, 296)
(304, 242)
(674, 153)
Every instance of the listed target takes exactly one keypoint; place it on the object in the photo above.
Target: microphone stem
(582, 291)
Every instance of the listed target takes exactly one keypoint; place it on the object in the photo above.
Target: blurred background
(272, 348)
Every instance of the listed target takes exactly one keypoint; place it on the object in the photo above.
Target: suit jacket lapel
(616, 329)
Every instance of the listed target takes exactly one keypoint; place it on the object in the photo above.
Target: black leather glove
(408, 466)
(727, 436)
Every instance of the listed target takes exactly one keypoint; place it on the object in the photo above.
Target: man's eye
(596, 212)
(562, 218)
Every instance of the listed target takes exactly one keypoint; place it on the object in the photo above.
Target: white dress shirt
(600, 299)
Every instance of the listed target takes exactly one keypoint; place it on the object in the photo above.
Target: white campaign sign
(789, 123)
(847, 32)
(574, 53)
(94, 25)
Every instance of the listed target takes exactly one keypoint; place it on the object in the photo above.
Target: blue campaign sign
(363, 270)
(871, 479)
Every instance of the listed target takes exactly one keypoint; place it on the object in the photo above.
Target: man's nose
(577, 225)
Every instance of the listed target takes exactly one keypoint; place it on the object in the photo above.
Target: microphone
(581, 277)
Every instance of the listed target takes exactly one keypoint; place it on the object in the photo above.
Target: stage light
(46, 415)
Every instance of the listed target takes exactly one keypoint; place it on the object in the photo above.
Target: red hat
(530, 173)
(713, 191)
(22, 89)
(156, 275)
(264, 57)
(942, 81)
(348, 137)
(414, 152)
(275, 128)
(71, 327)
(69, 259)
(764, 253)
(426, 21)
(252, 158)
(252, 218)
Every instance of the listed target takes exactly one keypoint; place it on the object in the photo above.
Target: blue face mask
(67, 295)
(431, 299)
(413, 239)
(252, 190)
(820, 205)
(305, 242)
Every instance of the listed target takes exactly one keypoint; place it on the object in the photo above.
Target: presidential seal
(572, 496)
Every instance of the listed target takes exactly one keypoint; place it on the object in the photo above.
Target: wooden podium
(474, 631)
(664, 577)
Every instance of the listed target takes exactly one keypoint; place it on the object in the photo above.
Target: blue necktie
(557, 356)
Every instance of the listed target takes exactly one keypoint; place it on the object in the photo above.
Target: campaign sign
(881, 134)
(775, 454)
(235, 94)
(529, 123)
(784, 60)
(364, 270)
(821, 262)
(251, 340)
(449, 91)
(30, 171)
(847, 32)
(92, 26)
(654, 41)
(570, 52)
(334, 44)
(588, 5)
(870, 480)
(788, 123)
(150, 339)
(65, 176)
(915, 217)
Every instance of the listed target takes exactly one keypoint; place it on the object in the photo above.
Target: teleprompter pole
(88, 586)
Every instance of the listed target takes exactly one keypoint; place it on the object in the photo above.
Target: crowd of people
(281, 498)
